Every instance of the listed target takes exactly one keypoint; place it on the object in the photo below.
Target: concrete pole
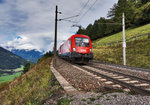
(124, 40)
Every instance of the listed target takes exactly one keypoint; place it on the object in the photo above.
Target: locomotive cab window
(82, 42)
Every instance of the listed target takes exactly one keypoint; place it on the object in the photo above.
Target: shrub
(26, 67)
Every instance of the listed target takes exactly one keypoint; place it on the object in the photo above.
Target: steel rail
(122, 74)
(127, 85)
(122, 66)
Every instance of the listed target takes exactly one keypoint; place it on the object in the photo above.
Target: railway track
(121, 66)
(131, 82)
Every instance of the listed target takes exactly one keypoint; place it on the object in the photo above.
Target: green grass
(32, 88)
(91, 99)
(129, 33)
(137, 54)
(19, 69)
(137, 51)
(115, 95)
(16, 70)
(9, 78)
(64, 101)
(83, 99)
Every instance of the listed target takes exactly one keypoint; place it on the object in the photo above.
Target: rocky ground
(79, 79)
(109, 99)
(92, 91)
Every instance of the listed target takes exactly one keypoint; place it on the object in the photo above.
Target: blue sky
(2, 1)
(29, 24)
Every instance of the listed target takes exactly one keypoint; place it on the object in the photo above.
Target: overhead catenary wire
(69, 21)
(80, 12)
(87, 11)
(111, 23)
(68, 17)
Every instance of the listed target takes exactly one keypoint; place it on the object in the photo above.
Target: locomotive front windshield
(82, 42)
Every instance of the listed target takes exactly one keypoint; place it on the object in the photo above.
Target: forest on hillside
(137, 13)
(8, 60)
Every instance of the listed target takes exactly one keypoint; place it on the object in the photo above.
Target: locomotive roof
(79, 35)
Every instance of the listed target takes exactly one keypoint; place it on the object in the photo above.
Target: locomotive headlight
(74, 49)
(90, 50)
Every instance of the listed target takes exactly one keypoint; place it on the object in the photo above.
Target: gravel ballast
(87, 85)
(79, 79)
(109, 99)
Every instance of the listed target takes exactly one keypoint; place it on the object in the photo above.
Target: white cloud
(33, 21)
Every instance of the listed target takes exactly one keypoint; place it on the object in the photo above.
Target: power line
(80, 12)
(68, 17)
(111, 23)
(83, 7)
(68, 21)
(87, 11)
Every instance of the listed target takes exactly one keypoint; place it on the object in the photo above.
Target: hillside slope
(34, 87)
(137, 50)
(128, 33)
(8, 60)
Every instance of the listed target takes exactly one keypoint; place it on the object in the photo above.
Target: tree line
(137, 13)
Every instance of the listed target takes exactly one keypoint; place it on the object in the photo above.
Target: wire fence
(137, 51)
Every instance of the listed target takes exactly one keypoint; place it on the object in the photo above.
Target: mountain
(31, 55)
(8, 60)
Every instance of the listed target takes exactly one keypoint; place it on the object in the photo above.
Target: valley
(6, 75)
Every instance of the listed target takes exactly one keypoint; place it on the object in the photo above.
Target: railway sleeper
(117, 86)
(119, 77)
(147, 89)
(108, 82)
(124, 79)
(125, 84)
(142, 85)
(103, 79)
(127, 90)
(132, 82)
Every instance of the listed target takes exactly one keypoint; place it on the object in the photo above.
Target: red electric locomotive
(78, 48)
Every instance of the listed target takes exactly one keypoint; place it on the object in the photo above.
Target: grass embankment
(137, 51)
(34, 87)
(129, 33)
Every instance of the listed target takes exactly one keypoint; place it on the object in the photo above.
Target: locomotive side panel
(65, 49)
